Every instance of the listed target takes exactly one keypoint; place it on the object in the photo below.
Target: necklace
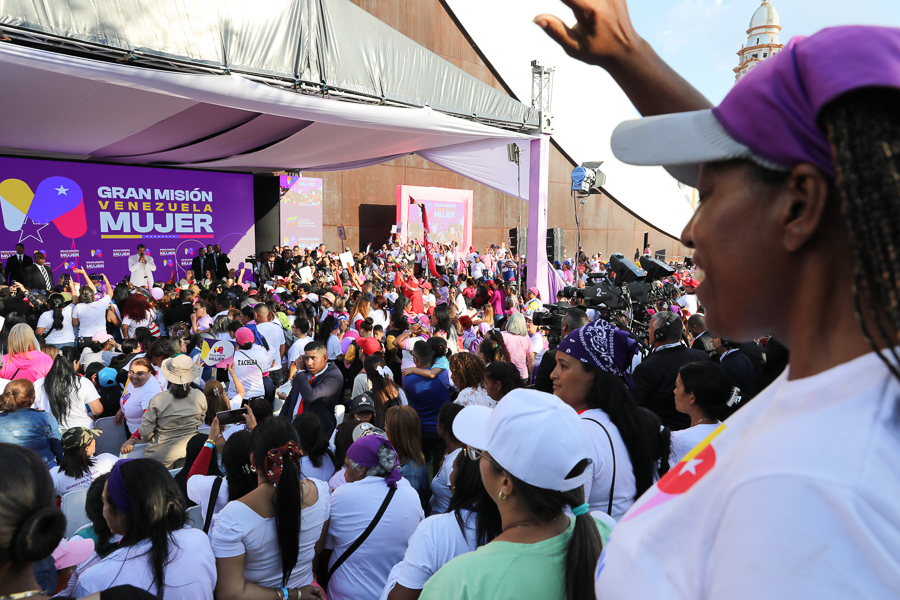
(705, 419)
(22, 595)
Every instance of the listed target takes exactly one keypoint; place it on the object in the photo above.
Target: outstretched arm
(604, 36)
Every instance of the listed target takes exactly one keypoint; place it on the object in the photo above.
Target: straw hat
(180, 369)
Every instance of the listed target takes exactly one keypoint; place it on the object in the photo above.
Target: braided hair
(863, 129)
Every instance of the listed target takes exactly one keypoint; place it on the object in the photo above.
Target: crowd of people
(385, 431)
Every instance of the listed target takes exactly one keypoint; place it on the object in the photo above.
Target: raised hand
(602, 31)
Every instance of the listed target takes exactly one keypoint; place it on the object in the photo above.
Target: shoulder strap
(211, 507)
(612, 448)
(365, 534)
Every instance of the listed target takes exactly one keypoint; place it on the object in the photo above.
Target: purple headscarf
(602, 345)
(115, 485)
(375, 451)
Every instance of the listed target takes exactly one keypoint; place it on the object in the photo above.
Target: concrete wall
(364, 200)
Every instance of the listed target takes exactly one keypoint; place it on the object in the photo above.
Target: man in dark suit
(316, 390)
(739, 367)
(217, 262)
(198, 264)
(16, 264)
(183, 311)
(696, 326)
(270, 269)
(38, 275)
(654, 378)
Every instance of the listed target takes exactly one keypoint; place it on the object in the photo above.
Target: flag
(429, 248)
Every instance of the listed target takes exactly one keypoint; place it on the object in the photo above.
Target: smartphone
(230, 417)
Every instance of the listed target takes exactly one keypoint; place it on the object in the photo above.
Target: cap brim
(470, 424)
(680, 142)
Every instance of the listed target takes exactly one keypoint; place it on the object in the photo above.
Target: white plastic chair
(195, 517)
(73, 507)
(339, 413)
(136, 452)
(112, 438)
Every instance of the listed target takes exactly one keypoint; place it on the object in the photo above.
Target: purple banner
(301, 211)
(94, 216)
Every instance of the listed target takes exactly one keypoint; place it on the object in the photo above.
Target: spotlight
(588, 178)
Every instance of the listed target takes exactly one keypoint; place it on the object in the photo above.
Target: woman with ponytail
(56, 323)
(551, 541)
(266, 542)
(591, 376)
(378, 378)
(142, 503)
(30, 524)
(64, 393)
(318, 459)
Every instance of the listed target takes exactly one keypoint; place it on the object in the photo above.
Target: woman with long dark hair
(31, 526)
(269, 538)
(379, 380)
(78, 467)
(239, 478)
(442, 326)
(11, 320)
(64, 393)
(545, 552)
(318, 459)
(157, 553)
(55, 324)
(592, 377)
(403, 429)
(471, 521)
(500, 378)
(704, 392)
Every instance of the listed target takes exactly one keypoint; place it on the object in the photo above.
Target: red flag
(429, 248)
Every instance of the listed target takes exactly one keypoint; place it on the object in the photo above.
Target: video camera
(551, 319)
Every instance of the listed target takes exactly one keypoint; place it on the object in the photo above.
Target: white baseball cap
(535, 436)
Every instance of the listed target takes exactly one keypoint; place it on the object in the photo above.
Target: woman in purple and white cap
(797, 171)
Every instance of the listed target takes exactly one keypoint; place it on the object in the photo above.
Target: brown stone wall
(364, 200)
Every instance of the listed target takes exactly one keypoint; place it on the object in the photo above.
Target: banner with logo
(449, 215)
(93, 216)
(217, 353)
(301, 211)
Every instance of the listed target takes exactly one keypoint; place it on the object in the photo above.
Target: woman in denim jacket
(24, 426)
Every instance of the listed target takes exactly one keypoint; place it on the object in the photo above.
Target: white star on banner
(61, 191)
(36, 231)
(691, 466)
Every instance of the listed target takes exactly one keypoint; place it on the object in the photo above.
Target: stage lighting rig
(588, 178)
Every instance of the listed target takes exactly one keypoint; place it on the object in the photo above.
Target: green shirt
(506, 570)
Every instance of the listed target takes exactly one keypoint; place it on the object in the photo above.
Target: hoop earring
(502, 496)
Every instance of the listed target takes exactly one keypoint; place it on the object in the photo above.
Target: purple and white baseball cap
(771, 115)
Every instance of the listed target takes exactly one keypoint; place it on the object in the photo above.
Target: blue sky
(700, 38)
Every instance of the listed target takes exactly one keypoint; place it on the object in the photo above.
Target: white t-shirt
(684, 441)
(437, 540)
(66, 335)
(274, 335)
(63, 484)
(333, 347)
(237, 529)
(429, 299)
(475, 397)
(249, 366)
(78, 416)
(190, 572)
(688, 301)
(311, 471)
(440, 485)
(91, 317)
(199, 488)
(135, 401)
(133, 325)
(537, 345)
(297, 348)
(353, 506)
(816, 458)
(596, 490)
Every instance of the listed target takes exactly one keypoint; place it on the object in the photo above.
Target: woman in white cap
(542, 552)
(173, 416)
(797, 174)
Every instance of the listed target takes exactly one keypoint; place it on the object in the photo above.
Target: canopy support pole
(538, 187)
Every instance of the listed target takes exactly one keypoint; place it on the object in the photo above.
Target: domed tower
(762, 39)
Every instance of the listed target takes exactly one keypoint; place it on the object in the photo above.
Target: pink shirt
(28, 365)
(519, 346)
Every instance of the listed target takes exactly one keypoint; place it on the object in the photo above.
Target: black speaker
(556, 244)
(518, 240)
(625, 270)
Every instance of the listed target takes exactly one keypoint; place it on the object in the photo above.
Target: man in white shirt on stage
(141, 266)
